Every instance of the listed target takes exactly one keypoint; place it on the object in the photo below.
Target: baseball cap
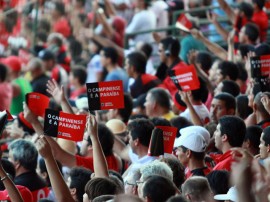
(46, 55)
(193, 141)
(25, 192)
(13, 62)
(175, 5)
(231, 195)
(196, 129)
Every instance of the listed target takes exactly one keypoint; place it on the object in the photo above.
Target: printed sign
(105, 95)
(260, 66)
(185, 77)
(166, 142)
(183, 23)
(37, 103)
(63, 125)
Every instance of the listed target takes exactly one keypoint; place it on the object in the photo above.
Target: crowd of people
(222, 147)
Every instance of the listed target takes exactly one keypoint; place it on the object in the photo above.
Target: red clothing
(5, 96)
(87, 162)
(76, 93)
(62, 26)
(197, 172)
(261, 19)
(223, 161)
(4, 34)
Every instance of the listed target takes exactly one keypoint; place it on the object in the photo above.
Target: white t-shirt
(202, 112)
(93, 67)
(143, 20)
(159, 7)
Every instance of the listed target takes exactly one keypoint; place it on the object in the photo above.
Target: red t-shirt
(87, 162)
(62, 26)
(223, 161)
(261, 19)
(76, 93)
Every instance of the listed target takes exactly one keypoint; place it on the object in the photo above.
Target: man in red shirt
(230, 133)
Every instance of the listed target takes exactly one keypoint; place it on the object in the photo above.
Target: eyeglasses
(139, 182)
(128, 183)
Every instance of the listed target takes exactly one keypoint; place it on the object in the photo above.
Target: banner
(63, 125)
(37, 103)
(105, 95)
(185, 78)
(169, 134)
(260, 66)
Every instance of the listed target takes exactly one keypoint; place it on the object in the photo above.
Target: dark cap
(46, 55)
(175, 5)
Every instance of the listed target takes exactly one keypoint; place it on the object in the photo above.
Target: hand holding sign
(185, 96)
(56, 92)
(43, 147)
(28, 114)
(92, 127)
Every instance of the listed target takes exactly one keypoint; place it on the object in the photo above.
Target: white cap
(82, 103)
(116, 126)
(192, 141)
(231, 195)
(196, 129)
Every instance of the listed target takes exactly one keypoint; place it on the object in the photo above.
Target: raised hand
(192, 56)
(266, 103)
(185, 96)
(196, 34)
(56, 92)
(92, 126)
(28, 114)
(43, 147)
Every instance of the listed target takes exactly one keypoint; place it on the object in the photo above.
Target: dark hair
(60, 7)
(205, 59)
(177, 198)
(127, 110)
(44, 26)
(79, 177)
(171, 45)
(253, 134)
(197, 155)
(245, 49)
(138, 61)
(178, 170)
(43, 169)
(158, 189)
(75, 48)
(229, 100)
(228, 68)
(266, 135)
(9, 169)
(219, 181)
(200, 94)
(106, 139)
(159, 121)
(260, 3)
(247, 9)
(100, 186)
(3, 72)
(252, 31)
(258, 102)
(180, 122)
(141, 129)
(230, 87)
(235, 129)
(262, 49)
(242, 107)
(147, 49)
(242, 72)
(117, 175)
(80, 73)
(137, 116)
(161, 97)
(111, 53)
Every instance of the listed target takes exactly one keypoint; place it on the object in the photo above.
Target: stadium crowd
(222, 147)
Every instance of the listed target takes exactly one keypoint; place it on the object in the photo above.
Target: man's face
(181, 155)
(149, 105)
(218, 89)
(263, 148)
(131, 143)
(218, 137)
(129, 185)
(242, 35)
(161, 53)
(103, 59)
(128, 67)
(217, 110)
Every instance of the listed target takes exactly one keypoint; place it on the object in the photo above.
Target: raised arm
(12, 190)
(100, 163)
(60, 154)
(59, 185)
(213, 47)
(228, 10)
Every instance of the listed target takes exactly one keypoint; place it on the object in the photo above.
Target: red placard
(260, 66)
(184, 23)
(105, 95)
(185, 77)
(169, 134)
(37, 103)
(64, 125)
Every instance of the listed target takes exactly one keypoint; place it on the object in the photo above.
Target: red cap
(119, 24)
(25, 192)
(13, 62)
(24, 121)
